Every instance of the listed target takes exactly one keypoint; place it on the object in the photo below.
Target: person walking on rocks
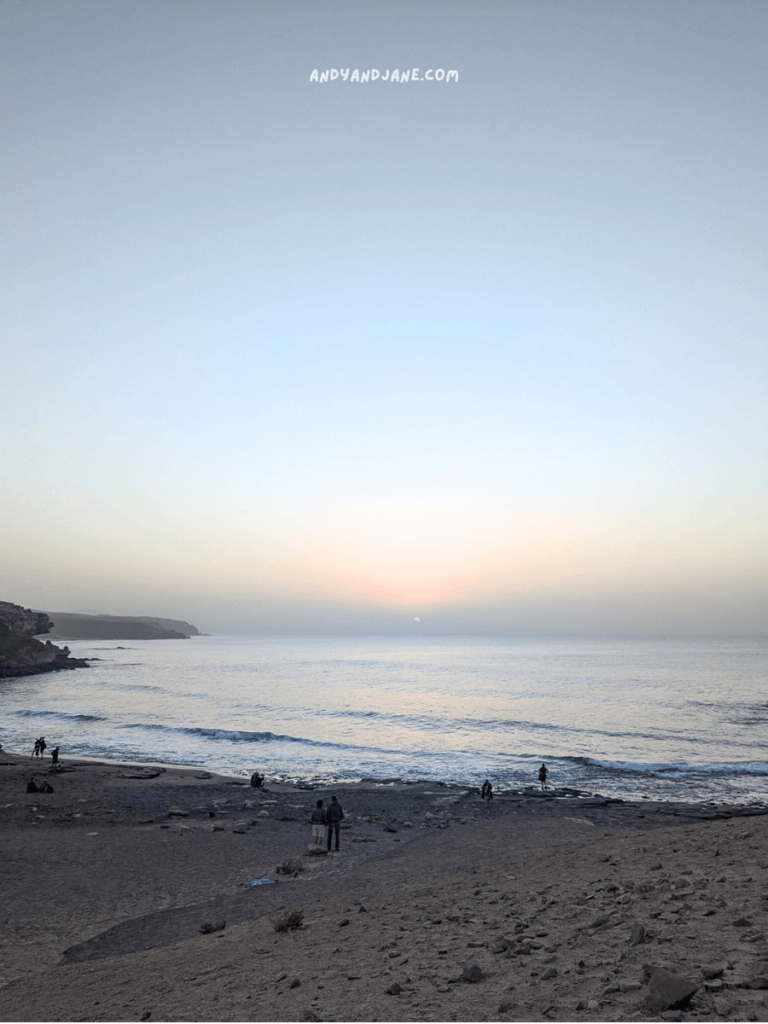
(318, 824)
(487, 794)
(334, 817)
(543, 776)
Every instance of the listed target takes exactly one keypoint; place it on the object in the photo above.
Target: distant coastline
(23, 654)
(71, 626)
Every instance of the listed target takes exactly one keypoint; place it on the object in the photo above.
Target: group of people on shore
(329, 818)
(40, 748)
(486, 790)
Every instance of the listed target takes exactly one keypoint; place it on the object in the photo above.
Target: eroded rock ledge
(20, 653)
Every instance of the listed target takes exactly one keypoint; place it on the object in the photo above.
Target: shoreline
(107, 885)
(533, 791)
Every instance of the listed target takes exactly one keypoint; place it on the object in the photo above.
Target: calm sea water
(669, 719)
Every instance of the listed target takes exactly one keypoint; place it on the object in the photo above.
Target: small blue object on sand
(261, 881)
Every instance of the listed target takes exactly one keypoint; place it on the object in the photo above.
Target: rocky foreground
(23, 655)
(124, 899)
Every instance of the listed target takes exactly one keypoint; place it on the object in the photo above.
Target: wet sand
(104, 895)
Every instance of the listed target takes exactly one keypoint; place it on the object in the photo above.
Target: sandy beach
(547, 908)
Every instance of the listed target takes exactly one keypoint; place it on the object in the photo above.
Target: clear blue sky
(289, 355)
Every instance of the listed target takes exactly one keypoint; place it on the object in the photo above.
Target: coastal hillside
(20, 653)
(68, 626)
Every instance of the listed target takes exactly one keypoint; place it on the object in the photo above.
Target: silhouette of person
(334, 816)
(318, 824)
(543, 776)
(487, 793)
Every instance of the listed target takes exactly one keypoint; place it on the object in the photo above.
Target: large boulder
(667, 991)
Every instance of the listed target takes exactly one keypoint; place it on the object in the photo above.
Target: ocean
(666, 719)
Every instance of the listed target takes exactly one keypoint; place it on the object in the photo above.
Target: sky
(483, 355)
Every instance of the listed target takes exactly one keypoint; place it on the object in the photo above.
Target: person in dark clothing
(334, 816)
(543, 776)
(31, 787)
(45, 787)
(487, 793)
(42, 746)
(55, 757)
(318, 820)
(257, 781)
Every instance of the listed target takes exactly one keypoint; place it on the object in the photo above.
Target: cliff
(20, 653)
(68, 626)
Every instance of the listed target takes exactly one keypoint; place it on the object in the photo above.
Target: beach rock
(263, 814)
(240, 827)
(711, 972)
(394, 989)
(216, 828)
(208, 927)
(629, 986)
(315, 851)
(742, 922)
(177, 812)
(551, 972)
(280, 976)
(290, 866)
(248, 805)
(472, 972)
(637, 937)
(671, 1015)
(295, 982)
(714, 985)
(667, 991)
(593, 1005)
(203, 775)
(722, 1006)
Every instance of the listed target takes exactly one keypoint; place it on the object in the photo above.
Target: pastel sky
(290, 356)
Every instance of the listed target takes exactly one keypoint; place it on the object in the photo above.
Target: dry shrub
(286, 920)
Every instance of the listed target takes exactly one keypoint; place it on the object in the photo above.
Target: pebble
(722, 1006)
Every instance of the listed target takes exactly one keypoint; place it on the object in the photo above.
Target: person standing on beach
(318, 824)
(42, 746)
(543, 776)
(334, 817)
(55, 757)
(487, 794)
